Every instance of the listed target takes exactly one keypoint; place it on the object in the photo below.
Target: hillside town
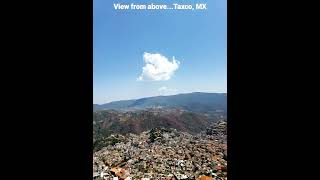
(165, 153)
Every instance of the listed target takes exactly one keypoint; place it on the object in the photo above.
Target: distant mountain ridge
(194, 102)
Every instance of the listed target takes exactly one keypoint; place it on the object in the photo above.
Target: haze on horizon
(136, 98)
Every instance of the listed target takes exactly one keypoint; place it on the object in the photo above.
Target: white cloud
(165, 90)
(157, 67)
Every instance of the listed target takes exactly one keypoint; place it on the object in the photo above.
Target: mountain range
(192, 112)
(195, 102)
(107, 122)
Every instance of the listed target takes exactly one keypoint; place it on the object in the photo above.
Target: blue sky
(196, 39)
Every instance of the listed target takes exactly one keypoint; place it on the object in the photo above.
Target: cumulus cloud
(157, 67)
(166, 90)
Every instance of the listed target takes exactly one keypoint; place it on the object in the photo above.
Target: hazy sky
(147, 53)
